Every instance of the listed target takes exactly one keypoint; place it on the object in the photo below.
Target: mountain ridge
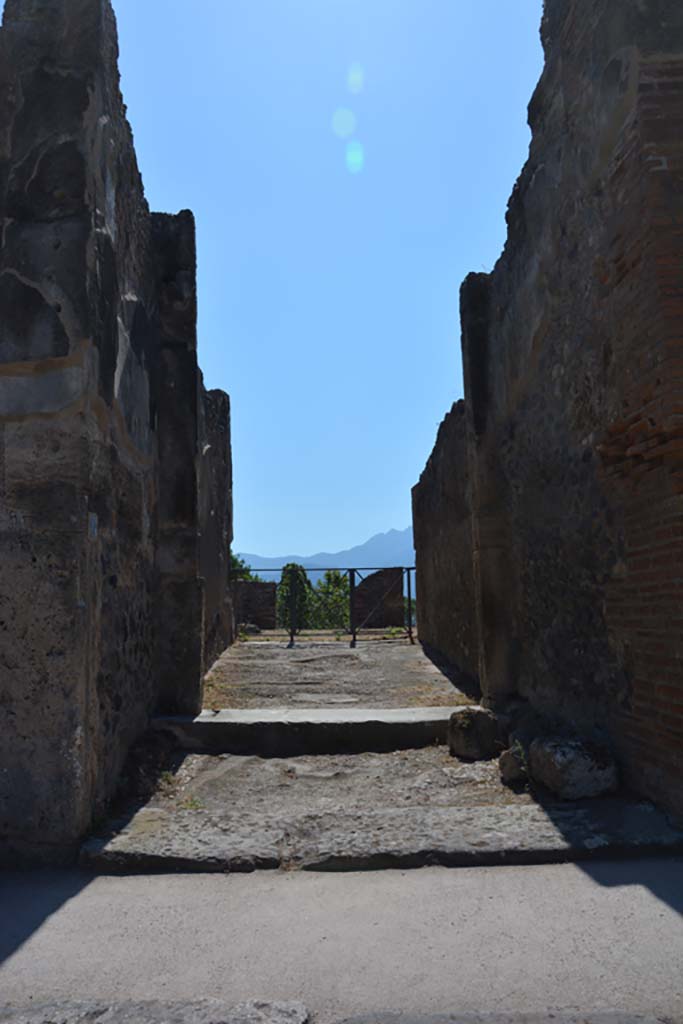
(383, 550)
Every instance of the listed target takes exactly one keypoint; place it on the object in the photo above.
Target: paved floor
(194, 1011)
(375, 674)
(401, 809)
(532, 939)
(325, 809)
(598, 937)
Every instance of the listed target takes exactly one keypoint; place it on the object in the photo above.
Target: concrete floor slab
(555, 939)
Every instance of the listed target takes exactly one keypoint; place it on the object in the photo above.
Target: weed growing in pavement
(192, 804)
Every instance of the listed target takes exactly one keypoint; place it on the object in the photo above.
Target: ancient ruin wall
(378, 600)
(179, 608)
(215, 518)
(442, 531)
(572, 355)
(97, 314)
(255, 603)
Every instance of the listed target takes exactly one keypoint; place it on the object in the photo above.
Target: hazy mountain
(384, 550)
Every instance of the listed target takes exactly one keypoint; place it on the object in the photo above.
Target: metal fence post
(352, 608)
(292, 605)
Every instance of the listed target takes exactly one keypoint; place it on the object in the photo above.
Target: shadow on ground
(24, 907)
(663, 877)
(460, 680)
(30, 895)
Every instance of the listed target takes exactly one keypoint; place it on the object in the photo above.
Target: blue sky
(331, 248)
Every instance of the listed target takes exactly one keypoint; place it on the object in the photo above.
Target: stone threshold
(160, 840)
(288, 732)
(200, 1011)
(209, 1011)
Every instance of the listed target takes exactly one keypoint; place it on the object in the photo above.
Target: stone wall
(101, 438)
(572, 356)
(255, 603)
(378, 600)
(216, 525)
(442, 512)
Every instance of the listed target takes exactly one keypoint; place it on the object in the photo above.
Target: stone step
(349, 812)
(207, 1011)
(189, 840)
(198, 1011)
(289, 732)
(549, 1017)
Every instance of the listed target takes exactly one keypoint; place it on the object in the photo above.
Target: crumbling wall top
(67, 33)
(656, 24)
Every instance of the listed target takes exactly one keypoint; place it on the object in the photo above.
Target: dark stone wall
(179, 607)
(571, 353)
(255, 602)
(100, 432)
(442, 517)
(215, 516)
(378, 600)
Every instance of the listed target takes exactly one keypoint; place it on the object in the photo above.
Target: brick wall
(572, 356)
(641, 451)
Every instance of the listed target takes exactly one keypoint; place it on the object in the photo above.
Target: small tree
(411, 613)
(330, 605)
(294, 580)
(239, 570)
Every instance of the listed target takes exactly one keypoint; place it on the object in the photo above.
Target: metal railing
(340, 603)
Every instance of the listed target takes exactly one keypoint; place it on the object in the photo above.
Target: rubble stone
(474, 734)
(512, 767)
(571, 768)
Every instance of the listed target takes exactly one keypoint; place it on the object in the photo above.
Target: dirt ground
(327, 673)
(283, 787)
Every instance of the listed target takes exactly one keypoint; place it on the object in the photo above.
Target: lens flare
(355, 79)
(344, 123)
(355, 157)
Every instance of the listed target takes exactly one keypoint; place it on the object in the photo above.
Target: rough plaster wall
(572, 354)
(442, 530)
(92, 336)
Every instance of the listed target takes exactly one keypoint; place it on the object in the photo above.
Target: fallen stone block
(512, 765)
(572, 768)
(474, 734)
